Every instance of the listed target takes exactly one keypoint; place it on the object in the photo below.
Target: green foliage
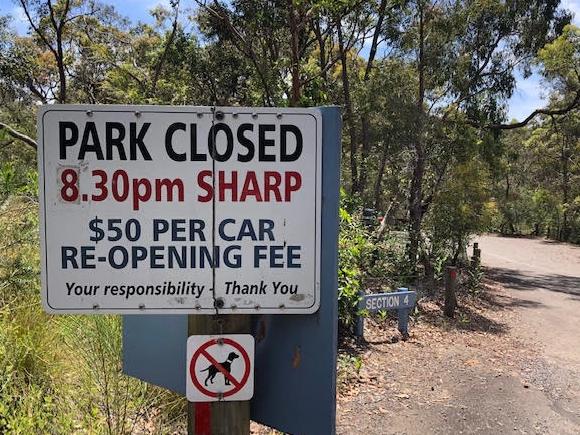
(560, 59)
(537, 183)
(387, 260)
(29, 399)
(363, 257)
(353, 246)
(402, 107)
(348, 368)
(111, 400)
(473, 278)
(61, 374)
(463, 207)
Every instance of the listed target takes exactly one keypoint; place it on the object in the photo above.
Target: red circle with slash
(202, 351)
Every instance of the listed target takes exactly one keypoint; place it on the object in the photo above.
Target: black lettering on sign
(284, 155)
(246, 143)
(91, 142)
(116, 141)
(264, 142)
(63, 128)
(212, 140)
(173, 155)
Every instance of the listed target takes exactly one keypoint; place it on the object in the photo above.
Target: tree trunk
(565, 187)
(61, 71)
(416, 192)
(450, 297)
(160, 64)
(294, 48)
(321, 52)
(380, 174)
(354, 188)
(365, 122)
(429, 273)
(58, 29)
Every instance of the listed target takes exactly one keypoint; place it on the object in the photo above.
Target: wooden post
(476, 258)
(218, 418)
(450, 297)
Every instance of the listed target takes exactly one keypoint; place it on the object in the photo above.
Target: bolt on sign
(220, 367)
(149, 209)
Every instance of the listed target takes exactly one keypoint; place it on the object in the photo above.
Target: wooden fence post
(476, 258)
(218, 418)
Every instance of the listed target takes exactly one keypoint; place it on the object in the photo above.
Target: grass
(63, 374)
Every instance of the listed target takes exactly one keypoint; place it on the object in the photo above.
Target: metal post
(403, 318)
(359, 327)
(218, 417)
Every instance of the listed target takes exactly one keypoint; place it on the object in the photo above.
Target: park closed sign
(158, 209)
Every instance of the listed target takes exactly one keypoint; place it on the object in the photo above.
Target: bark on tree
(416, 192)
(348, 110)
(168, 44)
(295, 29)
(365, 122)
(565, 156)
(380, 174)
(572, 105)
(17, 135)
(59, 57)
(58, 25)
(322, 62)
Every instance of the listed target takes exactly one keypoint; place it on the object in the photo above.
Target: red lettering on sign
(272, 181)
(251, 188)
(293, 183)
(205, 186)
(257, 187)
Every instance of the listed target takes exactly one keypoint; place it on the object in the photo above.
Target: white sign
(220, 367)
(148, 209)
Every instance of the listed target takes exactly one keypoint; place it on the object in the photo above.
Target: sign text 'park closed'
(180, 209)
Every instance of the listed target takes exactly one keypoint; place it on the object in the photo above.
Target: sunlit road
(543, 277)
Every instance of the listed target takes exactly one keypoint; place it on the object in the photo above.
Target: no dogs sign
(220, 367)
(149, 209)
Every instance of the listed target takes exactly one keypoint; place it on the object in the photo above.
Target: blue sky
(529, 93)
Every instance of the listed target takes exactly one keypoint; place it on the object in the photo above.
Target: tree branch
(562, 111)
(169, 43)
(35, 28)
(243, 46)
(375, 43)
(17, 135)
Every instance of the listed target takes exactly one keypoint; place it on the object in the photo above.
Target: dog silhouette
(212, 370)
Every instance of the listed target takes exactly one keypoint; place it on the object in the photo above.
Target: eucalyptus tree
(466, 54)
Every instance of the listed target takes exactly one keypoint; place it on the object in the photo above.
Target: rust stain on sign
(261, 332)
(298, 297)
(297, 357)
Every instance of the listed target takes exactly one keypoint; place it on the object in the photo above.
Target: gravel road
(543, 278)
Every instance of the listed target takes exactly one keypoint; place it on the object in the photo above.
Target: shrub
(353, 246)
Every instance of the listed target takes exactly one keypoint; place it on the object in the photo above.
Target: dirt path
(509, 362)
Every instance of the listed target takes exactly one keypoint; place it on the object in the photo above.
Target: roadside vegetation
(429, 157)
